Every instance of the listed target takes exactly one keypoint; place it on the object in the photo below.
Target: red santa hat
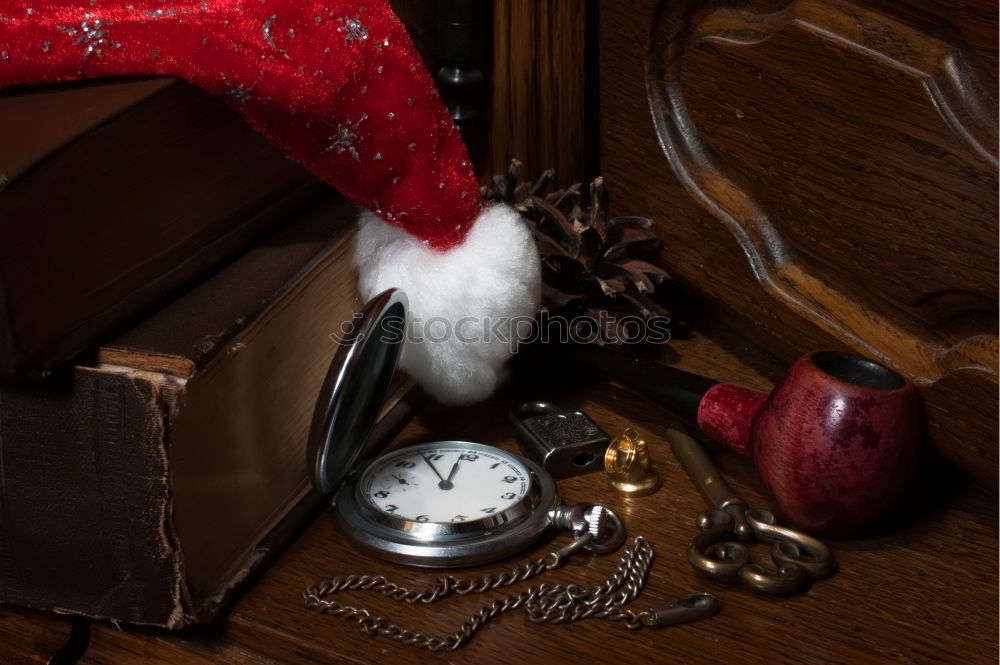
(339, 86)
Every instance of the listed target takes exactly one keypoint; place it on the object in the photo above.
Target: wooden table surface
(921, 589)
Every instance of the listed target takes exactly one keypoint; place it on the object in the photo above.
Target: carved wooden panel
(827, 170)
(544, 88)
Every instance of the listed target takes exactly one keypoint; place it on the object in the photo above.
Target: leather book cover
(113, 195)
(144, 482)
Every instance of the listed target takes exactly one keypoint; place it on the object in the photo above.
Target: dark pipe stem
(679, 391)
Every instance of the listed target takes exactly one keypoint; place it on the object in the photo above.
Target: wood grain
(29, 636)
(544, 89)
(828, 175)
(922, 589)
(540, 103)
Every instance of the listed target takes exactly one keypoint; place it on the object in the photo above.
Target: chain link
(544, 603)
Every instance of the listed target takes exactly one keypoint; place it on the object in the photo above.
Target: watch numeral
(434, 458)
(391, 508)
(489, 511)
(508, 495)
(422, 518)
(459, 518)
(405, 465)
(495, 465)
(382, 494)
(468, 457)
(510, 479)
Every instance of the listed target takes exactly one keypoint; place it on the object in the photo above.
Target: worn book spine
(144, 485)
(84, 491)
(88, 529)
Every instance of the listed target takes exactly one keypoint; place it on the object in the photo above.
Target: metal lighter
(566, 443)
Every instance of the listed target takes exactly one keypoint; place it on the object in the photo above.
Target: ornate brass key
(720, 550)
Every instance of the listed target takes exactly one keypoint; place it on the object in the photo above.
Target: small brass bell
(629, 466)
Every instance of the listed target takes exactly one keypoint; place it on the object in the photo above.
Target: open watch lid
(355, 389)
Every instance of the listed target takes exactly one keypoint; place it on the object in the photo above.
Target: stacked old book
(169, 283)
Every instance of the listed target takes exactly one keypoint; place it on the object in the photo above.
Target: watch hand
(446, 484)
(402, 481)
(435, 473)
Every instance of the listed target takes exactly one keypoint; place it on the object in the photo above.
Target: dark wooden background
(540, 100)
(824, 174)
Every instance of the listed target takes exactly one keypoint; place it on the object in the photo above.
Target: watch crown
(595, 519)
(606, 528)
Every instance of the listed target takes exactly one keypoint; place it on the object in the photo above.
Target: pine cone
(592, 266)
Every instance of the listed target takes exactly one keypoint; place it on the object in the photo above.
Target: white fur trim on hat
(468, 305)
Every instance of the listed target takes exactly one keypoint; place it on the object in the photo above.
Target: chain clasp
(695, 607)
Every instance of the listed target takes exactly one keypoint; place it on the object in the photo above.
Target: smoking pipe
(835, 443)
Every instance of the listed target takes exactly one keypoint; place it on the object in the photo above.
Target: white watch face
(445, 483)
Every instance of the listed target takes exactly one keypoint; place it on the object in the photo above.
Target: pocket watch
(438, 504)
